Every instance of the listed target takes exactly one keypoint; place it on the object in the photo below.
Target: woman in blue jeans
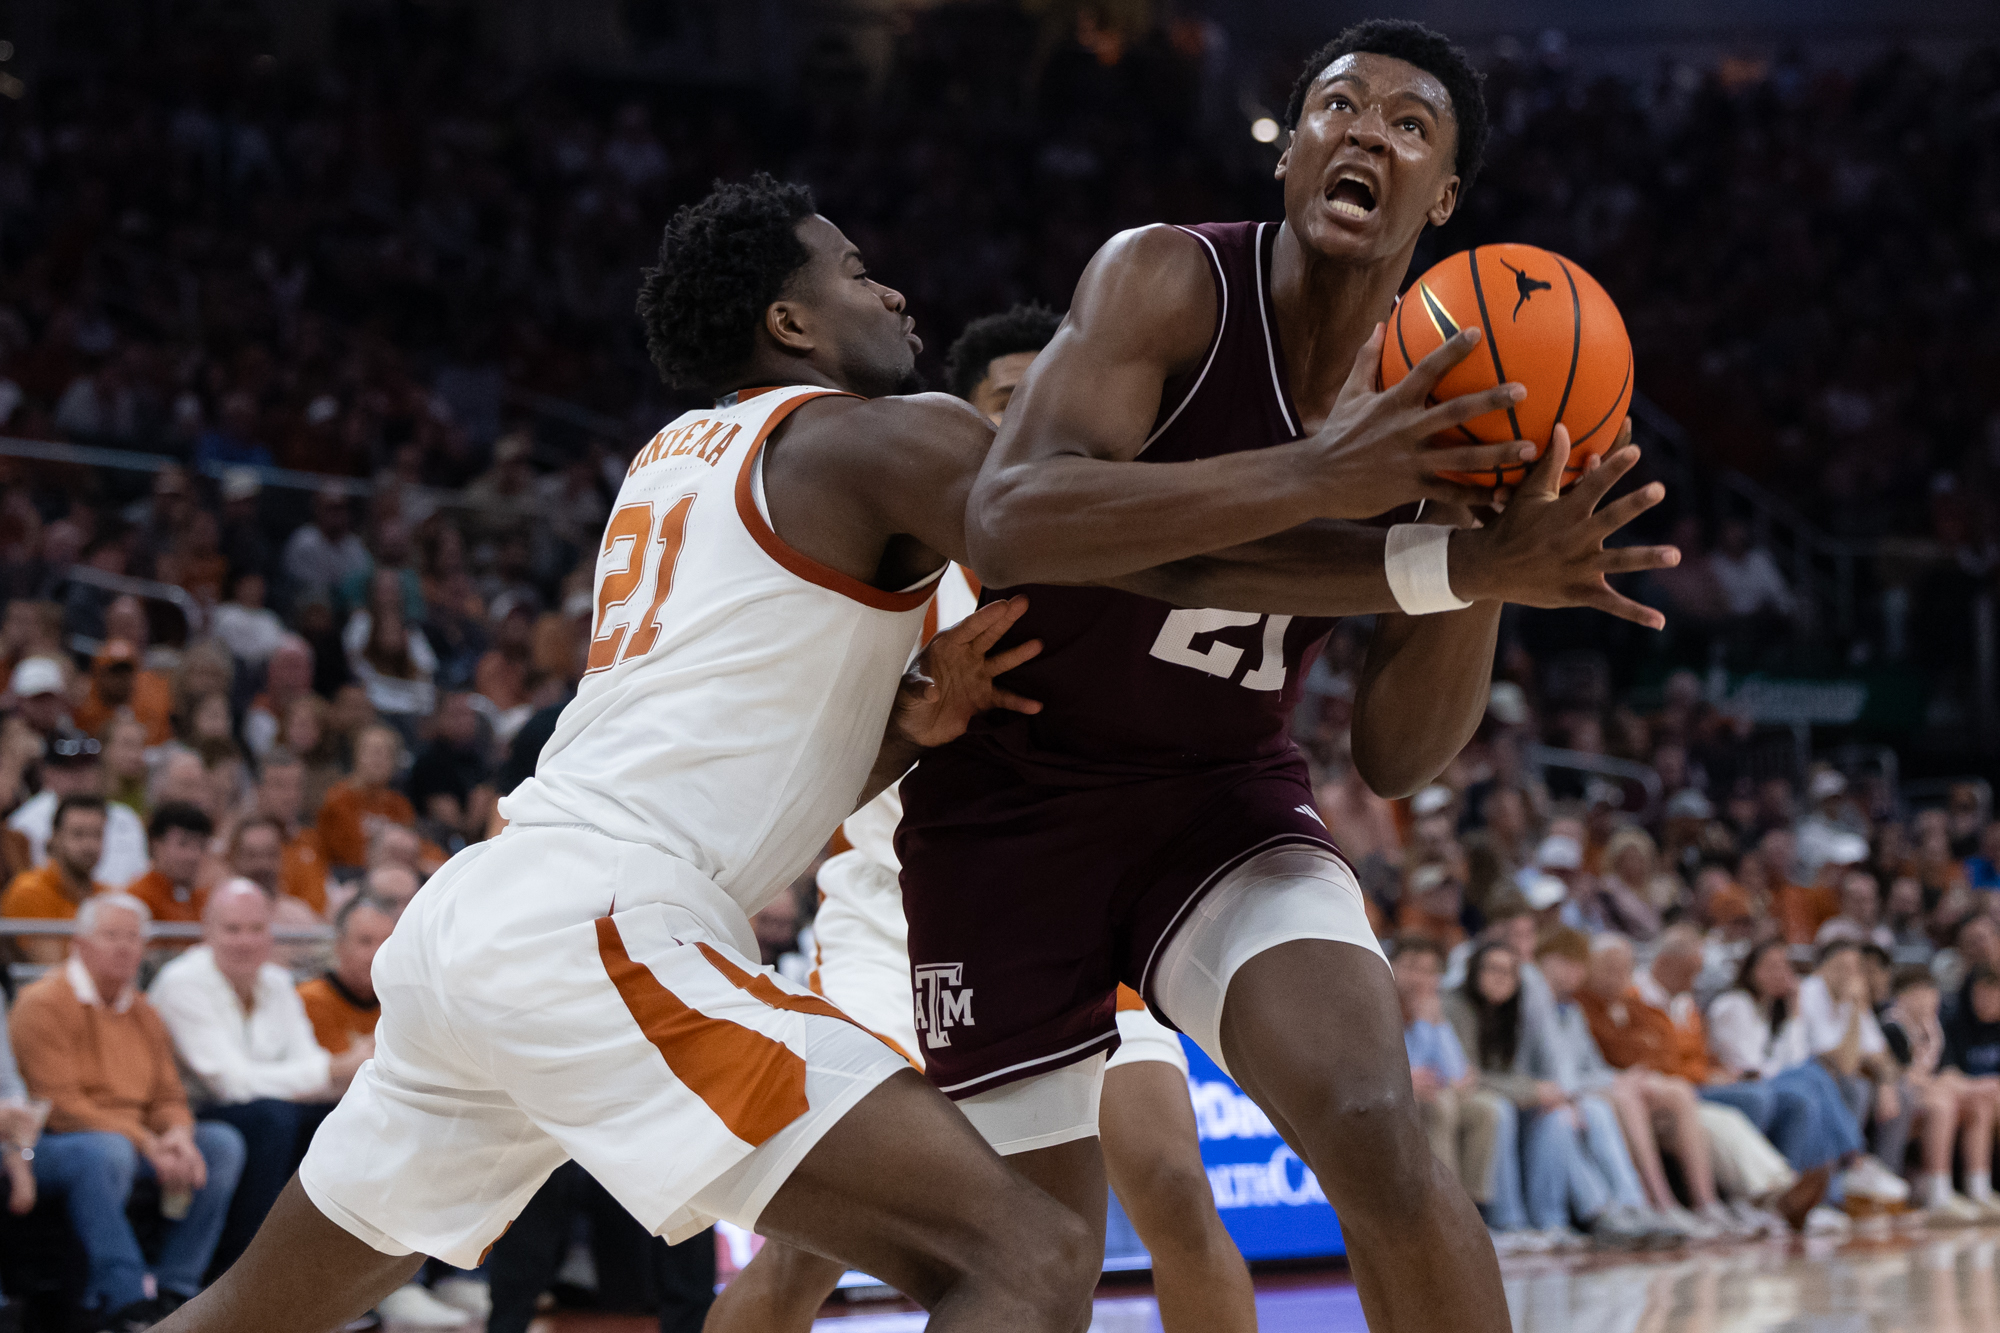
(1559, 1155)
(1756, 1033)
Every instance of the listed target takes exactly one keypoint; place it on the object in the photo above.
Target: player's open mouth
(1351, 197)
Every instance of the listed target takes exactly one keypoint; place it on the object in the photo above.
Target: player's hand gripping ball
(1548, 325)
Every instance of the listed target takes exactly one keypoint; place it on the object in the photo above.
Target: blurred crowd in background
(414, 274)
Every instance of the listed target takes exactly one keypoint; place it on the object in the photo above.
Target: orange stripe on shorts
(1128, 1000)
(765, 989)
(755, 1085)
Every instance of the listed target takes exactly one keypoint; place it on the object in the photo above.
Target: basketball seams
(1492, 342)
(1611, 411)
(1575, 337)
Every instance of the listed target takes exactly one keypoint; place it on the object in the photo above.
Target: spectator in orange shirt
(116, 682)
(355, 808)
(178, 838)
(1651, 1099)
(281, 798)
(55, 890)
(1800, 909)
(342, 1004)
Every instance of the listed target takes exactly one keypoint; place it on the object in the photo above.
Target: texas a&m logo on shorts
(942, 1003)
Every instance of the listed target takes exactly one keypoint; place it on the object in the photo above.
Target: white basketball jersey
(736, 691)
(871, 830)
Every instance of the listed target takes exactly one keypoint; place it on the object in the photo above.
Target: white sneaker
(1869, 1179)
(1726, 1222)
(1560, 1239)
(465, 1293)
(1954, 1210)
(1697, 1228)
(1989, 1207)
(1825, 1221)
(413, 1307)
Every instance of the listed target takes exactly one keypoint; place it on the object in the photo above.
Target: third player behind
(1153, 824)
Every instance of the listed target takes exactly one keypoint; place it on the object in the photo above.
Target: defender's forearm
(1073, 519)
(1423, 692)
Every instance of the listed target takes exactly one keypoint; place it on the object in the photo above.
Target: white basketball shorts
(556, 994)
(861, 958)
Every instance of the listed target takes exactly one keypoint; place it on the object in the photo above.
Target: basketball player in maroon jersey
(1153, 824)
(866, 493)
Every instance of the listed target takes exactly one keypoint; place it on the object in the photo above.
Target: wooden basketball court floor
(1929, 1282)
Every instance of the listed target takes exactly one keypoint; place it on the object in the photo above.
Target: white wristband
(1419, 569)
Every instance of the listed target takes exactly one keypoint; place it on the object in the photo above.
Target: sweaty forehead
(1387, 78)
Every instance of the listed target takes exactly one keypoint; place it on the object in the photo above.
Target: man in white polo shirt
(247, 1050)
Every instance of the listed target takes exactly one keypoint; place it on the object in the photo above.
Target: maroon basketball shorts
(1032, 892)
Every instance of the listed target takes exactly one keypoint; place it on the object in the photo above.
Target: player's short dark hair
(69, 803)
(1428, 50)
(722, 262)
(179, 815)
(1025, 328)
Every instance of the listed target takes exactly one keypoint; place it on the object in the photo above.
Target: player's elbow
(1003, 538)
(1391, 766)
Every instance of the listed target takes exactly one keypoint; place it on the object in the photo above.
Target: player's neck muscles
(1325, 310)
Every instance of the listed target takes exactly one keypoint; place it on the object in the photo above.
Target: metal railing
(1545, 757)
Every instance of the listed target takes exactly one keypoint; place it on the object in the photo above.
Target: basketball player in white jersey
(861, 962)
(582, 986)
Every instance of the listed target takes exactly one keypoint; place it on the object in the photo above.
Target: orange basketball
(1548, 325)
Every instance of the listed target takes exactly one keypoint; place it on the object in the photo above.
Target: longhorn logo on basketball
(1525, 286)
(942, 1003)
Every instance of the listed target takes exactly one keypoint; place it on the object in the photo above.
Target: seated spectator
(1780, 1110)
(1573, 1160)
(341, 1004)
(120, 686)
(391, 658)
(1800, 909)
(251, 631)
(1569, 1056)
(247, 1049)
(393, 886)
(1839, 1014)
(57, 889)
(1983, 871)
(72, 767)
(91, 1045)
(1632, 869)
(287, 679)
(281, 799)
(355, 808)
(1663, 1065)
(126, 771)
(1433, 904)
(1756, 1031)
(1951, 1105)
(450, 782)
(39, 686)
(1468, 1125)
(1749, 578)
(1976, 945)
(178, 835)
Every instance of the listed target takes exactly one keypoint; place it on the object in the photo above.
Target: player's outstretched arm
(1425, 683)
(1546, 550)
(1054, 503)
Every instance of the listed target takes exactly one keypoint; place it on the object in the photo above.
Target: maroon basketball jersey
(1131, 684)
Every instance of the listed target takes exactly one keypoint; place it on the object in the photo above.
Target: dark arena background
(319, 371)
